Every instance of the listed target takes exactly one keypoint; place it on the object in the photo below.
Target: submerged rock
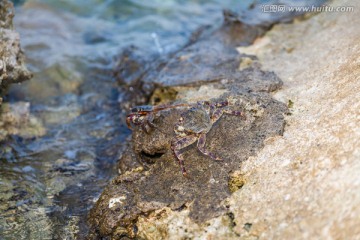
(15, 119)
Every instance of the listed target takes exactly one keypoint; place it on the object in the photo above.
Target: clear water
(48, 183)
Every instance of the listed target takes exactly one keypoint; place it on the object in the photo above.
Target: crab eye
(134, 109)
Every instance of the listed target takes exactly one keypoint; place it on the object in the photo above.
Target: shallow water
(49, 182)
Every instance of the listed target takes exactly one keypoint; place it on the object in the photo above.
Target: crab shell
(196, 120)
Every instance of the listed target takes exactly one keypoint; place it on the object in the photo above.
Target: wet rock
(152, 199)
(209, 56)
(68, 167)
(151, 178)
(206, 60)
(54, 81)
(304, 184)
(159, 182)
(129, 70)
(12, 69)
(235, 32)
(131, 65)
(15, 119)
(60, 110)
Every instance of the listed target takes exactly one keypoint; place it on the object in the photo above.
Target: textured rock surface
(12, 69)
(302, 185)
(151, 177)
(305, 184)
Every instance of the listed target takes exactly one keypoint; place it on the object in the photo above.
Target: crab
(193, 126)
(143, 116)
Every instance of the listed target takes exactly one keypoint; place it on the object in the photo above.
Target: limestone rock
(12, 69)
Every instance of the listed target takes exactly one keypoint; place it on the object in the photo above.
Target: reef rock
(12, 68)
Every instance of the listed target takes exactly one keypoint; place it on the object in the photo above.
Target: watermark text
(275, 8)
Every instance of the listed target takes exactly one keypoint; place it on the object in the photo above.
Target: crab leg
(201, 146)
(219, 112)
(164, 107)
(128, 122)
(147, 125)
(177, 145)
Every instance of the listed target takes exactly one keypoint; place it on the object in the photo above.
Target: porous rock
(156, 181)
(12, 68)
(304, 184)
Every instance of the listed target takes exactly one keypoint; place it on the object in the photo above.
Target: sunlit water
(48, 183)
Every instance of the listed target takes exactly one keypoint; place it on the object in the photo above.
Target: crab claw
(128, 121)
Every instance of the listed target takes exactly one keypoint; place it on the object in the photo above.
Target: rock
(304, 184)
(131, 65)
(209, 56)
(151, 178)
(15, 119)
(236, 32)
(54, 81)
(206, 60)
(12, 68)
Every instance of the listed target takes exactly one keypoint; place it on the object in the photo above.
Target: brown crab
(193, 126)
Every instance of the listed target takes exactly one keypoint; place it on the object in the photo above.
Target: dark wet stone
(234, 32)
(69, 167)
(210, 55)
(206, 60)
(131, 65)
(160, 182)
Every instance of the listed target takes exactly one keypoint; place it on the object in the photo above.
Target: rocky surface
(12, 69)
(157, 180)
(303, 184)
(209, 55)
(151, 178)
